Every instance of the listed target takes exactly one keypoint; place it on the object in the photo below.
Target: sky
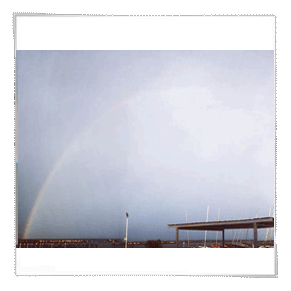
(157, 134)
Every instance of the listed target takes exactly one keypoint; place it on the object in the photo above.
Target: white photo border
(80, 32)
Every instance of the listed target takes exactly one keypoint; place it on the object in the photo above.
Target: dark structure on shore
(255, 223)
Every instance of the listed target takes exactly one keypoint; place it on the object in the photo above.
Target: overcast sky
(151, 133)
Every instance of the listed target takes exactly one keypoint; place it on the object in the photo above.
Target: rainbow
(59, 163)
(41, 192)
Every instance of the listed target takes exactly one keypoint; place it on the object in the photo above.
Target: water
(118, 243)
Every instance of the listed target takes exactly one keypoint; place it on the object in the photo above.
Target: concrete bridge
(254, 223)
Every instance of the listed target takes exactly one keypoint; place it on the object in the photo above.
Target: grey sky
(148, 132)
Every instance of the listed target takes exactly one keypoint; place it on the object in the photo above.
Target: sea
(120, 243)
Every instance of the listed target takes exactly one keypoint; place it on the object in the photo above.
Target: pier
(254, 223)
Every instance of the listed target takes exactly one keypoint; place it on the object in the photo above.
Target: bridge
(254, 223)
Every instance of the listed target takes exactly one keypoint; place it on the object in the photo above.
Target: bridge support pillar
(255, 236)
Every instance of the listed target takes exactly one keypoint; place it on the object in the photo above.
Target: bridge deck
(255, 223)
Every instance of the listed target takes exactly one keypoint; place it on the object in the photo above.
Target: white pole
(234, 236)
(272, 228)
(238, 236)
(218, 220)
(126, 229)
(242, 235)
(267, 231)
(206, 230)
(187, 230)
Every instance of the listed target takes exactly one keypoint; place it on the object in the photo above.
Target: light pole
(126, 229)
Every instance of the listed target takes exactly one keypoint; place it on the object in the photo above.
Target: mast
(206, 230)
(267, 231)
(187, 230)
(238, 236)
(272, 228)
(242, 236)
(247, 236)
(217, 231)
(233, 238)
